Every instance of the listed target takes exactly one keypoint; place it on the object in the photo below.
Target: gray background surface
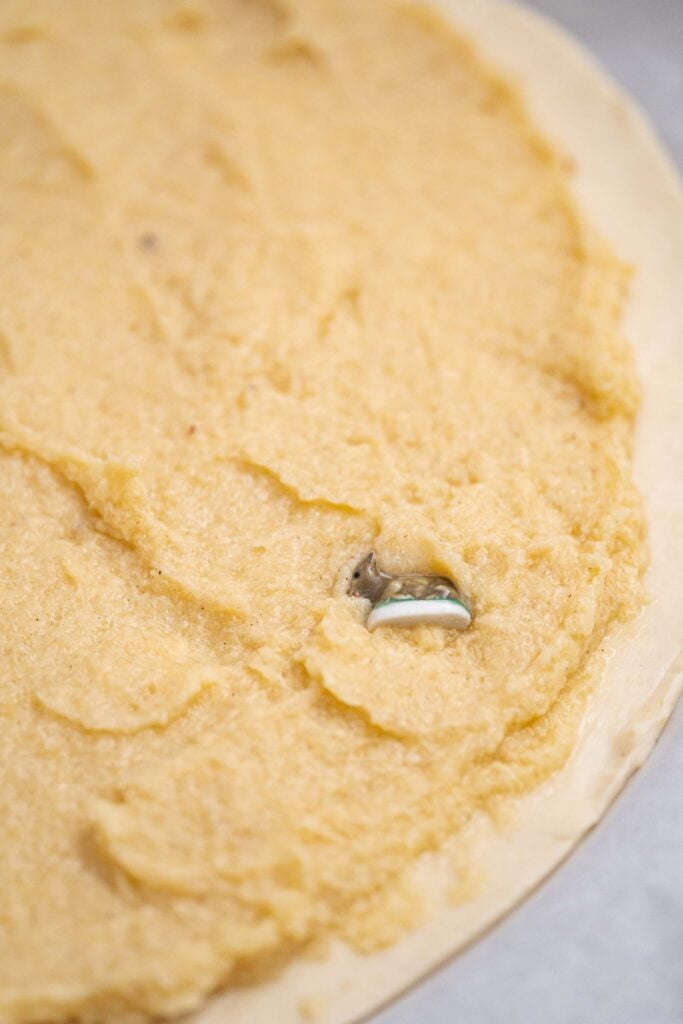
(601, 942)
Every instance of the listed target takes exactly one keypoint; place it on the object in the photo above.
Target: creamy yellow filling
(283, 281)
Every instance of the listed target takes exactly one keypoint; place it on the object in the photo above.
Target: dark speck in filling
(149, 241)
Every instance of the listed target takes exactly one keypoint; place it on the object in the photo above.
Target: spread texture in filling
(283, 282)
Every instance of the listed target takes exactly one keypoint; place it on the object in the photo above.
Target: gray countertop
(601, 942)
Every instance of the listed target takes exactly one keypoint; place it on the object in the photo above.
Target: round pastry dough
(627, 185)
(209, 759)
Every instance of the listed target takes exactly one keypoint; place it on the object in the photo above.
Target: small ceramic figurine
(408, 600)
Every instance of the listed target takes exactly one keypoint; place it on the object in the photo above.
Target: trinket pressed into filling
(411, 599)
